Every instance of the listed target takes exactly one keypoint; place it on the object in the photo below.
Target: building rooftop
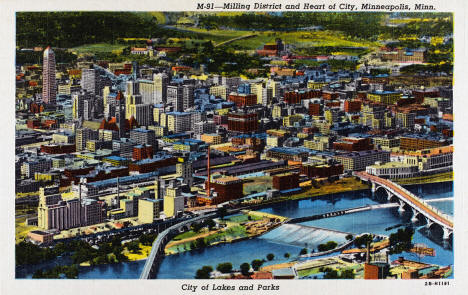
(156, 158)
(283, 272)
(39, 232)
(391, 165)
(141, 130)
(381, 92)
(116, 158)
(150, 200)
(290, 151)
(226, 179)
(124, 179)
(362, 153)
(423, 136)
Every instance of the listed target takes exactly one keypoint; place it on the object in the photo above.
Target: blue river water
(184, 265)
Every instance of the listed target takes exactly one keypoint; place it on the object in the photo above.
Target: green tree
(245, 269)
(349, 237)
(286, 255)
(196, 227)
(270, 256)
(71, 272)
(100, 259)
(347, 274)
(256, 264)
(116, 241)
(133, 247)
(401, 240)
(200, 243)
(303, 251)
(361, 241)
(332, 274)
(210, 224)
(225, 267)
(327, 246)
(204, 272)
(222, 211)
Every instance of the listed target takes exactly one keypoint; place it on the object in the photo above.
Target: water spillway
(303, 236)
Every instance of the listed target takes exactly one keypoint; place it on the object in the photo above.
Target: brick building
(315, 109)
(141, 152)
(351, 144)
(58, 148)
(356, 161)
(286, 181)
(226, 188)
(150, 165)
(242, 122)
(294, 97)
(352, 106)
(419, 143)
(242, 100)
(314, 170)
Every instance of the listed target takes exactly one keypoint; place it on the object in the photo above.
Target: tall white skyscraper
(89, 81)
(188, 96)
(49, 87)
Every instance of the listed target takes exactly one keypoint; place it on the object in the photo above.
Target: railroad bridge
(407, 200)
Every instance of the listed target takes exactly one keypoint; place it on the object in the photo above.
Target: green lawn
(441, 177)
(259, 184)
(98, 47)
(185, 235)
(304, 39)
(300, 38)
(308, 272)
(243, 218)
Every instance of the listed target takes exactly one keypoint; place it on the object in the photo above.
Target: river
(184, 265)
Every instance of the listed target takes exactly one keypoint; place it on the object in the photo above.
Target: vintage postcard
(239, 147)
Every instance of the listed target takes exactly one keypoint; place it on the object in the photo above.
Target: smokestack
(209, 173)
(118, 190)
(79, 205)
(368, 253)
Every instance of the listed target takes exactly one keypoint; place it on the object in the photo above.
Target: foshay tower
(49, 88)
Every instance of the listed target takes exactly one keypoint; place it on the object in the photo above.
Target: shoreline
(288, 198)
(260, 206)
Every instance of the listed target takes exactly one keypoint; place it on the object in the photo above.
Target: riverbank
(436, 178)
(235, 228)
(185, 265)
(343, 185)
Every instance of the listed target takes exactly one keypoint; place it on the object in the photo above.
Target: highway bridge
(407, 200)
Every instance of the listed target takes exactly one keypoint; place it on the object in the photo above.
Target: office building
(175, 97)
(356, 161)
(143, 136)
(242, 122)
(148, 210)
(49, 86)
(178, 122)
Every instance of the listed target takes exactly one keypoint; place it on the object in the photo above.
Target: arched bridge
(157, 250)
(406, 199)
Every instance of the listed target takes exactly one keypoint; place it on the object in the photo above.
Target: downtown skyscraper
(49, 87)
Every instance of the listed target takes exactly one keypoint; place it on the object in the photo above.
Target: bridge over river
(408, 200)
(398, 196)
(354, 210)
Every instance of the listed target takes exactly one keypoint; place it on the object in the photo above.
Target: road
(419, 203)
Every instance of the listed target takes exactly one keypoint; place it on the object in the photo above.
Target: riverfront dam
(303, 236)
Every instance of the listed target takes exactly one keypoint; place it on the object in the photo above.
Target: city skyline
(312, 149)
